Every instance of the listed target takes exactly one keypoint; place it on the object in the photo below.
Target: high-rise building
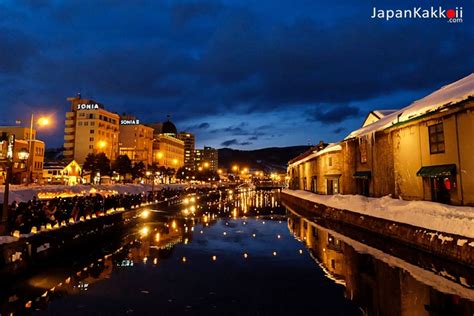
(34, 166)
(90, 128)
(168, 151)
(136, 140)
(207, 157)
(189, 143)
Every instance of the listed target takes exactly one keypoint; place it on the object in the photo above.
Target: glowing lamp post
(23, 156)
(43, 121)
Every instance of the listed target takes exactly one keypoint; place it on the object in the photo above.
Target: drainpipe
(459, 159)
(421, 162)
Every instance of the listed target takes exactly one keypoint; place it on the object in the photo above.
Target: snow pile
(7, 239)
(447, 95)
(458, 220)
(21, 193)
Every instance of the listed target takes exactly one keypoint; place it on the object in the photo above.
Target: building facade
(421, 152)
(90, 129)
(189, 148)
(318, 170)
(34, 165)
(168, 151)
(136, 140)
(62, 172)
(206, 158)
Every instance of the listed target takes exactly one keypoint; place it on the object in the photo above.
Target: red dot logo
(450, 13)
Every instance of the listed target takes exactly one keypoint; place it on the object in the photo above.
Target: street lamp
(102, 144)
(42, 121)
(23, 156)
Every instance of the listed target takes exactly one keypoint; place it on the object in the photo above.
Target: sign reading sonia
(84, 106)
(130, 122)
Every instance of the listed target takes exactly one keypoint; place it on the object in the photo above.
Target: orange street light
(43, 121)
(102, 144)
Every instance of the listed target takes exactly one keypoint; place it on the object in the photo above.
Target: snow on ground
(458, 220)
(22, 193)
(7, 239)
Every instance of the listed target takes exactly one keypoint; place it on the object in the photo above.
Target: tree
(90, 164)
(207, 174)
(154, 168)
(103, 164)
(184, 174)
(97, 163)
(122, 165)
(138, 170)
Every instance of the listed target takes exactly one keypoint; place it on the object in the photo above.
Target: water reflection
(383, 284)
(150, 243)
(235, 253)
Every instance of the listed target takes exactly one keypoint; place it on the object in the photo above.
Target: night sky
(240, 74)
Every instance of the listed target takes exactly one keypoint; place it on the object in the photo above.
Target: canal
(242, 254)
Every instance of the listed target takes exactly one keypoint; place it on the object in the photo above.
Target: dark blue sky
(243, 74)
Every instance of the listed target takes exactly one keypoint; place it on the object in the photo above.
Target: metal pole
(6, 192)
(30, 159)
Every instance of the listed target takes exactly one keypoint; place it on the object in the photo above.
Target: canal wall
(28, 251)
(424, 239)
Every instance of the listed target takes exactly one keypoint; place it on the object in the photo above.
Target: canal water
(243, 254)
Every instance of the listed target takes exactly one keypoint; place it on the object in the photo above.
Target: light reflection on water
(241, 254)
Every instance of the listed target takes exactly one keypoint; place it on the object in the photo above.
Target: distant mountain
(265, 159)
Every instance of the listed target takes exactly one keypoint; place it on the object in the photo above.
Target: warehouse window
(363, 151)
(436, 138)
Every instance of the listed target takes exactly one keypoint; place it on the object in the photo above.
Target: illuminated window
(436, 135)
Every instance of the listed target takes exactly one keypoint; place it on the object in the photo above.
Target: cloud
(230, 142)
(335, 114)
(184, 12)
(338, 130)
(16, 50)
(201, 126)
(235, 142)
(195, 59)
(204, 125)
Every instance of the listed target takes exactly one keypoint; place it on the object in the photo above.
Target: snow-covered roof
(302, 158)
(383, 113)
(330, 148)
(308, 156)
(446, 96)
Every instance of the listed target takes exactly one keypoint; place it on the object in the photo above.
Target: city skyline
(236, 74)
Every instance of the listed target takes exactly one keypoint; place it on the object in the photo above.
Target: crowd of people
(36, 213)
